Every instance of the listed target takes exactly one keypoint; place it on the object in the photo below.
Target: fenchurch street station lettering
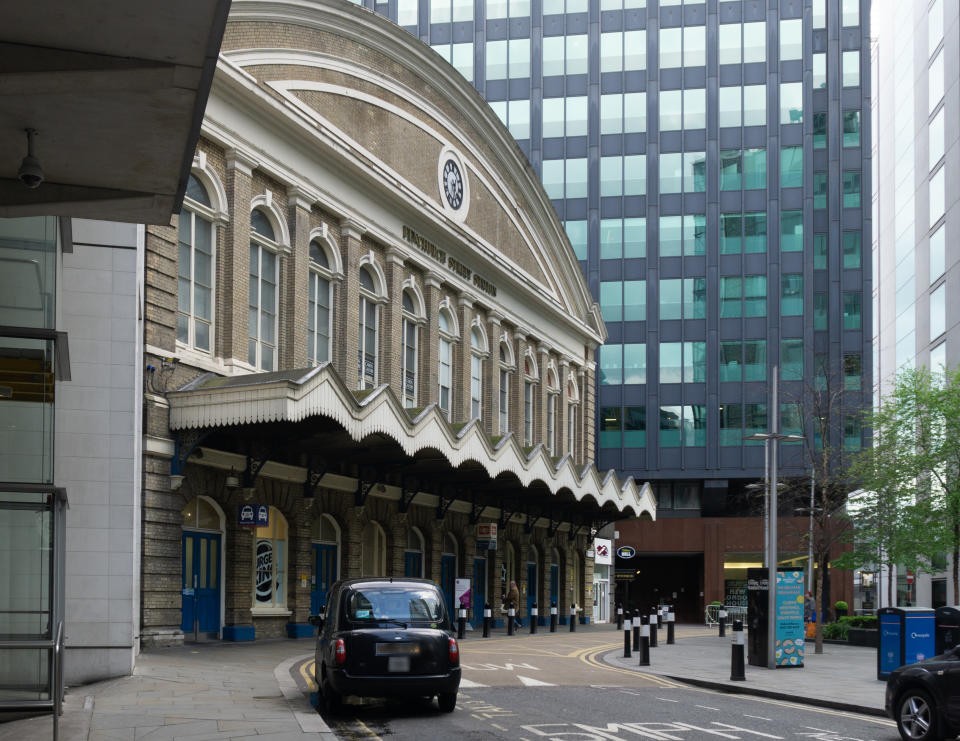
(431, 250)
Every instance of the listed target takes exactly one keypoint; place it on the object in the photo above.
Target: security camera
(30, 173)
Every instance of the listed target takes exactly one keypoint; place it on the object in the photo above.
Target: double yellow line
(590, 656)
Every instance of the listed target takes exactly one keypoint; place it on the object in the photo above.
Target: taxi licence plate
(398, 664)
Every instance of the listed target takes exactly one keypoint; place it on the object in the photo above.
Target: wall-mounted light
(233, 481)
(30, 172)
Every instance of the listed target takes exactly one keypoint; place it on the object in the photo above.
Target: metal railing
(711, 615)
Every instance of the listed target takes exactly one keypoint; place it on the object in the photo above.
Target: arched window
(411, 345)
(200, 514)
(504, 391)
(553, 391)
(270, 562)
(367, 350)
(320, 306)
(572, 400)
(195, 268)
(373, 550)
(445, 360)
(529, 381)
(413, 554)
(476, 373)
(264, 293)
(324, 530)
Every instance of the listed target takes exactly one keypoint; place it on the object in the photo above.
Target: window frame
(274, 606)
(274, 248)
(209, 215)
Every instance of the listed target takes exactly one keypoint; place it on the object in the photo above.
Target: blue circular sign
(626, 551)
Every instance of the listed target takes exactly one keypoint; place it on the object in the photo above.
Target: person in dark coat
(513, 600)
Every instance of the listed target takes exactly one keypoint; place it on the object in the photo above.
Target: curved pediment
(401, 110)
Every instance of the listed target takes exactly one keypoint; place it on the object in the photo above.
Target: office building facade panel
(709, 161)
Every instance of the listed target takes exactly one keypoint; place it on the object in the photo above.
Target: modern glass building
(711, 163)
(915, 206)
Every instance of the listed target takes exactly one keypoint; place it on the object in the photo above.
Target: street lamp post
(773, 436)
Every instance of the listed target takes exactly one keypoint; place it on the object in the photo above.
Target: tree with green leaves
(908, 509)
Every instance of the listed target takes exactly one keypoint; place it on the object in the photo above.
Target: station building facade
(368, 328)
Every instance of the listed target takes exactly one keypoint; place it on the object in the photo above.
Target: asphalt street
(535, 690)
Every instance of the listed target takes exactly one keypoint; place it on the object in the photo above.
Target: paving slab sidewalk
(842, 677)
(216, 691)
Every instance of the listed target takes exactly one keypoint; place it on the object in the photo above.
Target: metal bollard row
(737, 673)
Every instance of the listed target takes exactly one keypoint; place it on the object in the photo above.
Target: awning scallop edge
(213, 401)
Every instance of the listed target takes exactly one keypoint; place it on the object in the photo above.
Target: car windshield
(398, 604)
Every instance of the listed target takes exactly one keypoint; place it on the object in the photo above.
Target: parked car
(384, 637)
(924, 698)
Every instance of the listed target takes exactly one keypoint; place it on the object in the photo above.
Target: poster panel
(788, 648)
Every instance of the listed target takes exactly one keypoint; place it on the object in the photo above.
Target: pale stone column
(233, 260)
(347, 346)
(491, 372)
(588, 391)
(562, 412)
(519, 379)
(429, 350)
(391, 325)
(295, 288)
(462, 357)
(589, 597)
(540, 424)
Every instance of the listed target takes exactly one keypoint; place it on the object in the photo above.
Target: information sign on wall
(253, 515)
(486, 536)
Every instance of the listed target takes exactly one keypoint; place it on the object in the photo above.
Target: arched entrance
(373, 550)
(533, 580)
(325, 560)
(448, 572)
(554, 577)
(201, 573)
(413, 554)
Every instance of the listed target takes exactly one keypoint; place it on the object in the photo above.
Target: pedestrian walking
(810, 615)
(512, 599)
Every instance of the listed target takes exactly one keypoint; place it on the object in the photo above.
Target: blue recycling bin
(906, 636)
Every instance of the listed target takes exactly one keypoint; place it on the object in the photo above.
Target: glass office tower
(711, 163)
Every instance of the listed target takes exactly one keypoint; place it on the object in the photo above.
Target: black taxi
(385, 637)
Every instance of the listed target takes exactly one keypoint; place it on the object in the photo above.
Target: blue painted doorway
(324, 575)
(413, 564)
(532, 589)
(200, 582)
(554, 585)
(448, 575)
(479, 587)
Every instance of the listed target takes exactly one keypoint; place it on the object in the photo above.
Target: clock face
(453, 184)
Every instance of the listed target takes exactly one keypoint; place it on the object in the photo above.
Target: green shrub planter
(863, 637)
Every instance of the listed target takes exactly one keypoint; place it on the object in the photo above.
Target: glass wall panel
(791, 294)
(28, 262)
(791, 231)
(27, 375)
(850, 65)
(851, 128)
(791, 167)
(791, 102)
(729, 105)
(755, 232)
(791, 39)
(755, 42)
(755, 105)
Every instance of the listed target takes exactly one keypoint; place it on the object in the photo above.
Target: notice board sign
(486, 536)
(461, 593)
(789, 642)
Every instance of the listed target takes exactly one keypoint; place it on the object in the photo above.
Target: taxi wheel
(330, 701)
(447, 701)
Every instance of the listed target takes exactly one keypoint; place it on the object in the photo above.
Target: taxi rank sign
(253, 515)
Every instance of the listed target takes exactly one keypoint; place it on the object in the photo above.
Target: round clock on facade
(453, 184)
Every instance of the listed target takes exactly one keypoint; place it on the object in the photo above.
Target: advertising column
(788, 647)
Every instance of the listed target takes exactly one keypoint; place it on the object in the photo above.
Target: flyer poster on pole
(461, 593)
(788, 648)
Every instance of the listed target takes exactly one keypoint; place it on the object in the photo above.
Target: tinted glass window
(399, 603)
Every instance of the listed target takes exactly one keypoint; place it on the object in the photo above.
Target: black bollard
(573, 617)
(534, 612)
(645, 641)
(511, 615)
(626, 640)
(619, 616)
(553, 617)
(671, 618)
(736, 653)
(486, 620)
(653, 629)
(461, 621)
(636, 630)
(722, 619)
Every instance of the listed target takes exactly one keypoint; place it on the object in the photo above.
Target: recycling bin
(906, 637)
(947, 620)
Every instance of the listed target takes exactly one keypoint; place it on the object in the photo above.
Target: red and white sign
(909, 577)
(601, 550)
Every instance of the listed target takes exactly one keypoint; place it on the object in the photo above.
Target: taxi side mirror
(316, 620)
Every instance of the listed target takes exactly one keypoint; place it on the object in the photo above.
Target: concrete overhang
(116, 90)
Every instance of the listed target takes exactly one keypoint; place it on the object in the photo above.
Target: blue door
(554, 585)
(479, 589)
(448, 575)
(324, 575)
(200, 583)
(531, 585)
(413, 564)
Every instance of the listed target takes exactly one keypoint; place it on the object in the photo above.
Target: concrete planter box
(863, 637)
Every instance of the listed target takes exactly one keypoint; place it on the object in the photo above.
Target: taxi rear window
(394, 603)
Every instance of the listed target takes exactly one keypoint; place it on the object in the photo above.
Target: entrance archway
(202, 568)
(324, 560)
(373, 550)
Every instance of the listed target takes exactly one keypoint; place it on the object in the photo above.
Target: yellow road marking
(591, 660)
(308, 672)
